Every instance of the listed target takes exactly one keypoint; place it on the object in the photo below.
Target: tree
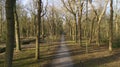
(10, 32)
(80, 9)
(70, 6)
(111, 26)
(116, 19)
(99, 18)
(1, 22)
(17, 33)
(38, 29)
(1, 18)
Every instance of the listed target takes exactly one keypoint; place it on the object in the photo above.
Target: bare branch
(104, 9)
(68, 8)
(93, 8)
(45, 10)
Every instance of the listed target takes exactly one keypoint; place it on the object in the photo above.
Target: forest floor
(76, 55)
(96, 56)
(26, 57)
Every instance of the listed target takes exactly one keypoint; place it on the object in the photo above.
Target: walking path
(62, 58)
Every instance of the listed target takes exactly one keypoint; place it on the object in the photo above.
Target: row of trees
(80, 20)
(31, 22)
(13, 31)
(91, 23)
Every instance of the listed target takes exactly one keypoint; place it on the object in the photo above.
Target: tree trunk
(116, 26)
(17, 33)
(75, 30)
(111, 26)
(1, 24)
(86, 22)
(79, 22)
(10, 32)
(43, 32)
(38, 30)
(35, 29)
(116, 19)
(98, 35)
(91, 30)
(99, 18)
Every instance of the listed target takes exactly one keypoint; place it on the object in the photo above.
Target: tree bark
(76, 28)
(17, 32)
(111, 26)
(80, 25)
(38, 30)
(10, 32)
(1, 24)
(91, 30)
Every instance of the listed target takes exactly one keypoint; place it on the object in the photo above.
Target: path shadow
(73, 52)
(27, 63)
(62, 64)
(95, 62)
(23, 58)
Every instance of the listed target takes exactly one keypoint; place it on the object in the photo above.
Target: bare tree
(10, 32)
(70, 6)
(17, 33)
(38, 29)
(1, 22)
(1, 17)
(111, 26)
(80, 10)
(116, 19)
(99, 18)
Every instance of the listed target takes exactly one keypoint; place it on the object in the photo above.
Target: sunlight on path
(62, 58)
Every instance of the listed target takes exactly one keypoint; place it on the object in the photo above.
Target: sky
(27, 1)
(49, 1)
(58, 3)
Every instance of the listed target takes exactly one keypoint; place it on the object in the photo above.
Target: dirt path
(62, 58)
